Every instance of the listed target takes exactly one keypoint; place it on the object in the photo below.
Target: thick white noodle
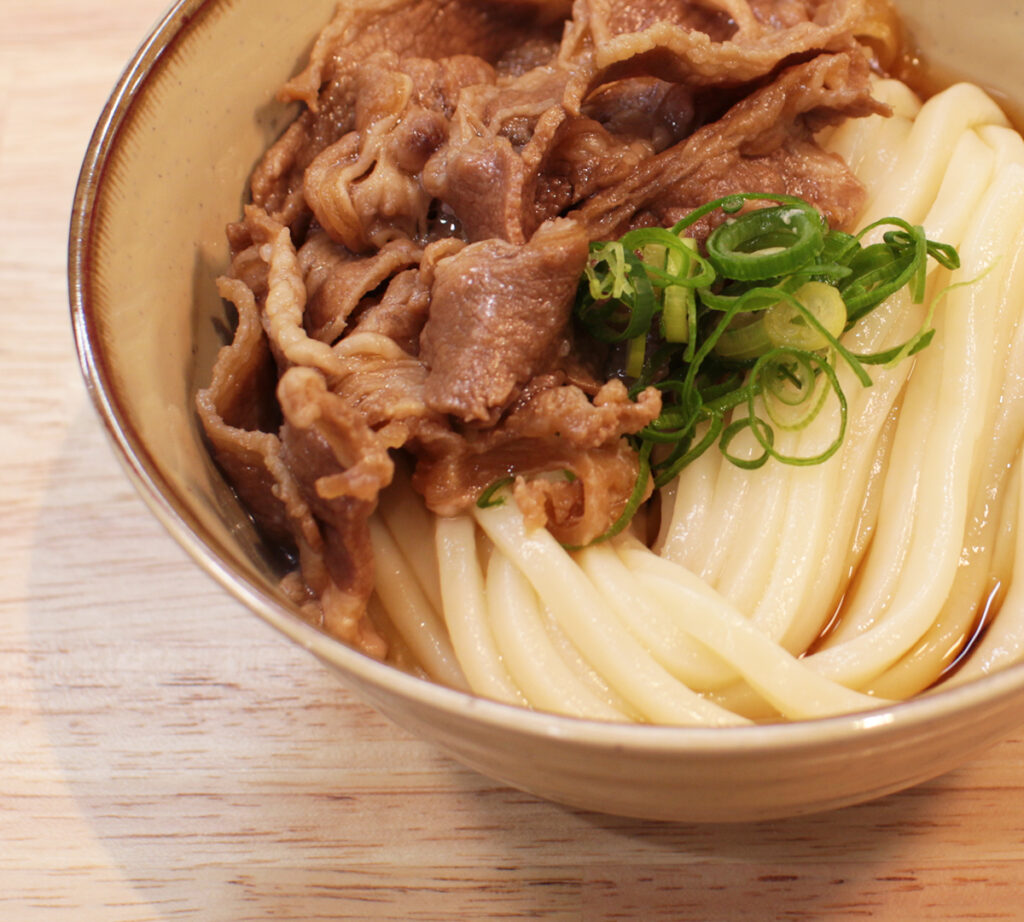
(750, 560)
(848, 512)
(530, 657)
(411, 613)
(1006, 145)
(583, 671)
(408, 521)
(1001, 570)
(965, 179)
(781, 678)
(685, 517)
(722, 524)
(1000, 444)
(914, 181)
(869, 145)
(600, 637)
(663, 631)
(1003, 643)
(465, 611)
(962, 187)
(967, 330)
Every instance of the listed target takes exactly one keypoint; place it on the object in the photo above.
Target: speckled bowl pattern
(164, 173)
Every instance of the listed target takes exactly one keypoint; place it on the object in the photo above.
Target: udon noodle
(785, 592)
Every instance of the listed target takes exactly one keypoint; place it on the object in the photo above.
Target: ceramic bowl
(164, 173)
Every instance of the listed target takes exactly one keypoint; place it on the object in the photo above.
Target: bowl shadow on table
(192, 756)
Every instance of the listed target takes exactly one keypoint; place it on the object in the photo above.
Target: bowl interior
(977, 41)
(181, 134)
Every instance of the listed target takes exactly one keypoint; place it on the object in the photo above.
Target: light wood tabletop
(165, 755)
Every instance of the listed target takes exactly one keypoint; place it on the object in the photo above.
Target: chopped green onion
(744, 340)
(786, 325)
(794, 394)
(763, 366)
(679, 302)
(762, 431)
(654, 256)
(636, 351)
(766, 244)
(760, 314)
(488, 500)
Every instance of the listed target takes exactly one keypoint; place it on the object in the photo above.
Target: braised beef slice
(481, 180)
(643, 108)
(364, 189)
(781, 14)
(498, 313)
(584, 159)
(488, 29)
(567, 413)
(714, 42)
(327, 86)
(557, 429)
(387, 393)
(629, 16)
(753, 143)
(500, 136)
(337, 280)
(798, 168)
(401, 312)
(234, 414)
(276, 182)
(578, 511)
(340, 466)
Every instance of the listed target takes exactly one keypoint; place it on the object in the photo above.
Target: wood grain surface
(165, 755)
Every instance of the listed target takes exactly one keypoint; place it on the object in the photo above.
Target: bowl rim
(206, 550)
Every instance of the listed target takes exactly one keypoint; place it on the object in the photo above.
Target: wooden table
(165, 755)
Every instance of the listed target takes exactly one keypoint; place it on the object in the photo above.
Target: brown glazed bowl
(164, 173)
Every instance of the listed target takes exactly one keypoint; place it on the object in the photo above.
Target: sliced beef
(580, 509)
(585, 159)
(276, 184)
(644, 109)
(235, 410)
(498, 314)
(337, 281)
(364, 189)
(798, 168)
(557, 430)
(488, 29)
(401, 312)
(340, 466)
(567, 413)
(753, 142)
(481, 180)
(409, 28)
(500, 136)
(714, 42)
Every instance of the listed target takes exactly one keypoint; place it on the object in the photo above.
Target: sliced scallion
(786, 325)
